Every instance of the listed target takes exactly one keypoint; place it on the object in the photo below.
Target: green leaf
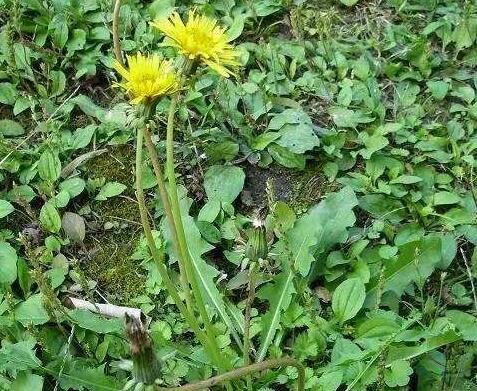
(446, 198)
(18, 356)
(88, 107)
(346, 118)
(398, 373)
(263, 140)
(266, 7)
(94, 322)
(361, 65)
(406, 180)
(110, 189)
(81, 375)
(330, 381)
(207, 274)
(20, 194)
(286, 158)
(298, 138)
(403, 352)
(8, 264)
(50, 218)
(59, 30)
(379, 327)
(438, 89)
(296, 131)
(464, 92)
(74, 186)
(9, 128)
(373, 143)
(236, 28)
(224, 183)
(49, 166)
(322, 227)
(21, 104)
(27, 381)
(278, 294)
(82, 136)
(348, 298)
(383, 208)
(464, 35)
(161, 8)
(415, 263)
(31, 311)
(99, 33)
(349, 3)
(5, 208)
(210, 211)
(8, 94)
(465, 323)
(77, 41)
(58, 85)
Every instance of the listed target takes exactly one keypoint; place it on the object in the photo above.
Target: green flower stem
(244, 371)
(170, 218)
(224, 364)
(116, 41)
(248, 310)
(171, 289)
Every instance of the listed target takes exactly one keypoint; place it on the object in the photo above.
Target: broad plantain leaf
(348, 298)
(322, 227)
(49, 166)
(224, 183)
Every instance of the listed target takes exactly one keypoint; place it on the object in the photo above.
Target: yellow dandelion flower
(147, 78)
(202, 39)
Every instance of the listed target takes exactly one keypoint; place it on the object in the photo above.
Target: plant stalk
(191, 275)
(116, 41)
(170, 218)
(246, 334)
(244, 371)
(171, 289)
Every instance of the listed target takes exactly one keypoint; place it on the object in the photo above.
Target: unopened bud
(257, 246)
(146, 365)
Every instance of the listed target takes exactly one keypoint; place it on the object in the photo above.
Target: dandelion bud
(146, 365)
(257, 246)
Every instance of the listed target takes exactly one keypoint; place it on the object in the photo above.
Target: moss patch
(115, 165)
(118, 228)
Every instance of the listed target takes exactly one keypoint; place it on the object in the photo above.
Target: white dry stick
(108, 310)
(67, 350)
(471, 277)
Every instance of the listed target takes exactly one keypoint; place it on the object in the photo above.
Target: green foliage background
(354, 124)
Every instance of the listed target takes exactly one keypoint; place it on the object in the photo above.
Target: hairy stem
(170, 218)
(171, 289)
(116, 41)
(244, 371)
(191, 275)
(248, 310)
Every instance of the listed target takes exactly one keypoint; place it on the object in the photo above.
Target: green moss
(115, 165)
(119, 277)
